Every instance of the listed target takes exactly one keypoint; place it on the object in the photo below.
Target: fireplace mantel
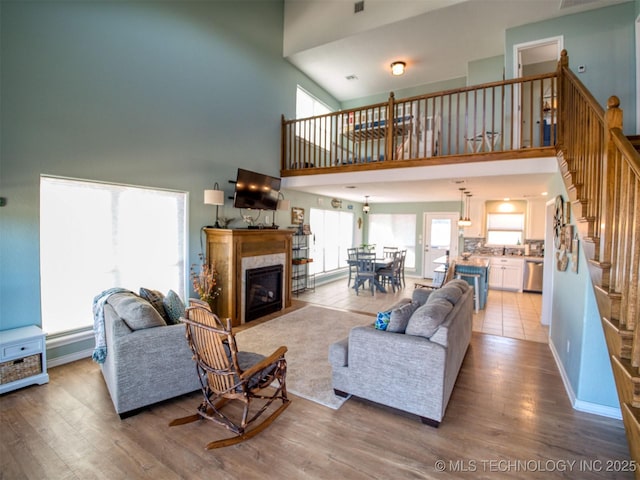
(227, 247)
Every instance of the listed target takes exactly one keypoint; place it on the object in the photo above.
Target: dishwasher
(532, 279)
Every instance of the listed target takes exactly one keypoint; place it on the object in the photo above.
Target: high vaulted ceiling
(437, 39)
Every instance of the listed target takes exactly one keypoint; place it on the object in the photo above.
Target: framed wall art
(297, 215)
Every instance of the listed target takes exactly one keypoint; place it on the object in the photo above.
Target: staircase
(601, 171)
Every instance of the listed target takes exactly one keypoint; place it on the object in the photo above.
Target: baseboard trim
(581, 405)
(72, 357)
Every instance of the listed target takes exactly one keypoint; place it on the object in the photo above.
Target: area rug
(307, 333)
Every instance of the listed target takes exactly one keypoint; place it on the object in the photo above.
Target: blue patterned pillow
(174, 307)
(382, 320)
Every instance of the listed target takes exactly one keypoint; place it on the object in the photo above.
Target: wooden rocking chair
(227, 374)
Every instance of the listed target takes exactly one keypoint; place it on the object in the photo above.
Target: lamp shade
(214, 197)
(284, 204)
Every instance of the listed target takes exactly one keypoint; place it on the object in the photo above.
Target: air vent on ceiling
(351, 77)
(358, 7)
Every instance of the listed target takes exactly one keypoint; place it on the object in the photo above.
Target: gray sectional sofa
(147, 360)
(414, 363)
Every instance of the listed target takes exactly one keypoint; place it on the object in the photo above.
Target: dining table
(380, 263)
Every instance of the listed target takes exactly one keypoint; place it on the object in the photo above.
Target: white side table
(23, 358)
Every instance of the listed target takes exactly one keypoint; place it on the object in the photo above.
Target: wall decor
(335, 203)
(568, 238)
(562, 259)
(297, 215)
(558, 221)
(574, 250)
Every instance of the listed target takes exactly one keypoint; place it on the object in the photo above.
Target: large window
(332, 235)
(94, 236)
(394, 230)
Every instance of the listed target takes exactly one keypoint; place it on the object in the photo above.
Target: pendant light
(464, 220)
(366, 207)
(467, 218)
(461, 220)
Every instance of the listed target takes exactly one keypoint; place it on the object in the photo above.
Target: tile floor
(508, 314)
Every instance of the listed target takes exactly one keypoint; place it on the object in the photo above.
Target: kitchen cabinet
(505, 273)
(536, 211)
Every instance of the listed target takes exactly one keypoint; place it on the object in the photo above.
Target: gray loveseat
(414, 365)
(147, 360)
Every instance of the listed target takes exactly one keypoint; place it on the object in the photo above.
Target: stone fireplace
(234, 252)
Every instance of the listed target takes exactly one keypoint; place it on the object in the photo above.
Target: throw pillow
(428, 318)
(421, 295)
(452, 294)
(382, 320)
(400, 317)
(461, 284)
(155, 298)
(174, 307)
(135, 311)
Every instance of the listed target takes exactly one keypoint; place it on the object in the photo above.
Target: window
(394, 230)
(95, 236)
(332, 235)
(505, 228)
(307, 105)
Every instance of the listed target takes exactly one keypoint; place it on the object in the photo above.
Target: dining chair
(403, 258)
(366, 271)
(352, 257)
(387, 252)
(391, 275)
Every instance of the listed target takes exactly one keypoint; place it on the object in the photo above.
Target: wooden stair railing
(601, 170)
(514, 118)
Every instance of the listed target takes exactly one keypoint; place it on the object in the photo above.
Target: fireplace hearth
(263, 291)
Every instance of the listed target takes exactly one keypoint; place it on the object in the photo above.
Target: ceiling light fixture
(397, 68)
(366, 207)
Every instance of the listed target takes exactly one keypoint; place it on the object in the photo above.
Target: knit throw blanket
(100, 351)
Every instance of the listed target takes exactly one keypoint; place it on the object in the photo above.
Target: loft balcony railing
(497, 120)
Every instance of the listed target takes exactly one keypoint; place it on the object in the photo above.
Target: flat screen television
(256, 190)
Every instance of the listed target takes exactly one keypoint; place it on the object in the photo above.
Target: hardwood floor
(508, 417)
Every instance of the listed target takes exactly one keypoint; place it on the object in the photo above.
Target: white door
(529, 53)
(441, 235)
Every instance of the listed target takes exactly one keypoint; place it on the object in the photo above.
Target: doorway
(532, 58)
(441, 235)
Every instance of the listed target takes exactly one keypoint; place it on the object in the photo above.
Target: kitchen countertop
(473, 261)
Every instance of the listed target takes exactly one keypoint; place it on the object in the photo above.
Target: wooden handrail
(426, 128)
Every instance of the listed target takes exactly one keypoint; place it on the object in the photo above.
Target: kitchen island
(468, 270)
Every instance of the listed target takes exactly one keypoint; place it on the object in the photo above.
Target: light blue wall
(602, 40)
(406, 92)
(172, 95)
(576, 321)
(485, 70)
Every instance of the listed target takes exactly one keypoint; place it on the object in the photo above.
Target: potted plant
(205, 282)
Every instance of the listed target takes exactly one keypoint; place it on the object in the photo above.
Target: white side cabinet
(23, 358)
(506, 273)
